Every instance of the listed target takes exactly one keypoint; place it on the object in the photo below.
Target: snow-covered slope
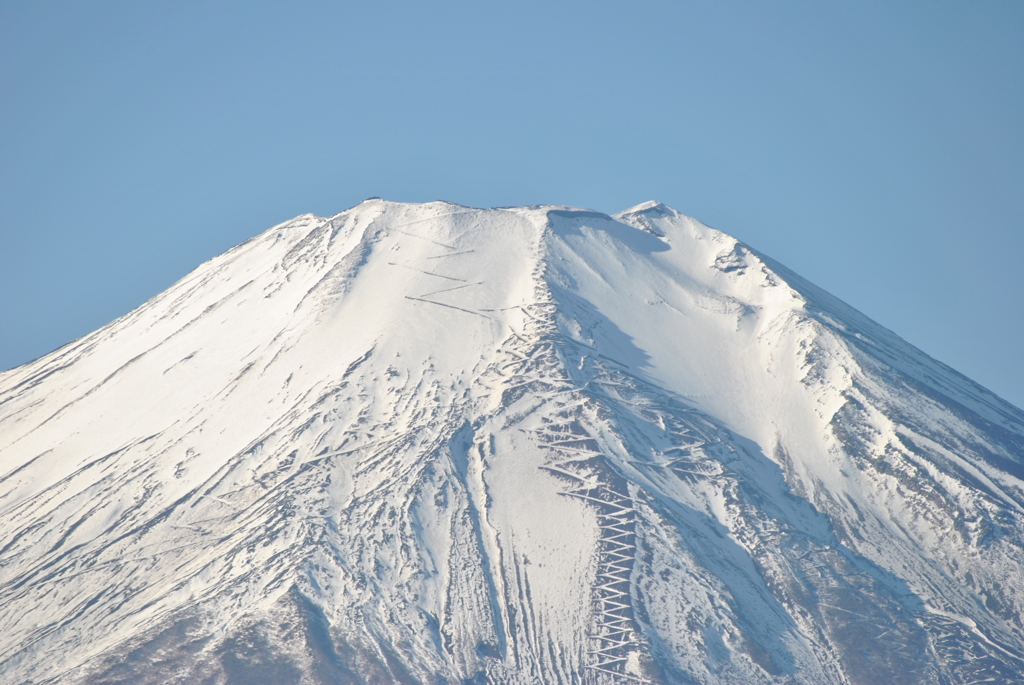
(435, 444)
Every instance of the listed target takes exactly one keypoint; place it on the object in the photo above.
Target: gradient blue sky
(877, 148)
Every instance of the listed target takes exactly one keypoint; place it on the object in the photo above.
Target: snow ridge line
(535, 365)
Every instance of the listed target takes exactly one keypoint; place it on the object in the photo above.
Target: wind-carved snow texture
(435, 444)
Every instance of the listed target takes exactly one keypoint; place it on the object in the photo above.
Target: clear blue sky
(875, 148)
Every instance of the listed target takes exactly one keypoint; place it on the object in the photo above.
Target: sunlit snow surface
(429, 443)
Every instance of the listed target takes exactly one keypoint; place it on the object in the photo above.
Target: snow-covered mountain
(436, 444)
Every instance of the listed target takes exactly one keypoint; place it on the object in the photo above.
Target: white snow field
(436, 444)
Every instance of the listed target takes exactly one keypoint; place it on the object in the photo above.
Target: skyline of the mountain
(874, 148)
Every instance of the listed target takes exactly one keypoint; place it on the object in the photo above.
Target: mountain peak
(651, 206)
(433, 443)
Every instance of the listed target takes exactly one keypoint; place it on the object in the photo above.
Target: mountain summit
(437, 444)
